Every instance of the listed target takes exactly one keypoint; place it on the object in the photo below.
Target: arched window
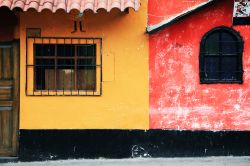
(221, 56)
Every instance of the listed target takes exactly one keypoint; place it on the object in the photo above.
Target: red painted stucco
(177, 99)
(159, 10)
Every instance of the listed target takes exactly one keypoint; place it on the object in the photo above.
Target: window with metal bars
(221, 56)
(62, 66)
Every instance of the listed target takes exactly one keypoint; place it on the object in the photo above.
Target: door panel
(5, 116)
(9, 98)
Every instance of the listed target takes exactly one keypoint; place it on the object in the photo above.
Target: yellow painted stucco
(124, 100)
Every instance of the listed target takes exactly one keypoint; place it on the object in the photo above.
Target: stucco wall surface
(177, 99)
(124, 100)
(159, 10)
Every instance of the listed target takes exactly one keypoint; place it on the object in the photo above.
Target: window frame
(31, 89)
(202, 55)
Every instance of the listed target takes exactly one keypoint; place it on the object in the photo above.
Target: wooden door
(9, 98)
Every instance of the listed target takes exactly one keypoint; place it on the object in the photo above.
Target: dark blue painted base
(64, 144)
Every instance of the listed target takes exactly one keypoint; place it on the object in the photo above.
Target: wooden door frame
(15, 45)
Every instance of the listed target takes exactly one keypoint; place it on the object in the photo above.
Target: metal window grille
(63, 66)
(221, 56)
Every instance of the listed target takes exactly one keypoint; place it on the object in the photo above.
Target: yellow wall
(124, 100)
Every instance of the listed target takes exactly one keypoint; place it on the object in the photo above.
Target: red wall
(159, 10)
(177, 99)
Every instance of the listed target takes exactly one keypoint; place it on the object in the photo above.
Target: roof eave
(174, 19)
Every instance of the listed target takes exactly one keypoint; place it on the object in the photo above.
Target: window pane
(86, 74)
(65, 74)
(66, 63)
(86, 50)
(65, 50)
(229, 68)
(87, 78)
(47, 63)
(50, 79)
(66, 80)
(212, 68)
(212, 44)
(42, 77)
(228, 43)
(44, 49)
(83, 63)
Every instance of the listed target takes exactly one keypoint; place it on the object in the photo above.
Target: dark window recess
(65, 67)
(221, 56)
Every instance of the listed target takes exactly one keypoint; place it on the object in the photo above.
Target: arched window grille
(221, 56)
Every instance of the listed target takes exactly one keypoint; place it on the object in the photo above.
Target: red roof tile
(68, 5)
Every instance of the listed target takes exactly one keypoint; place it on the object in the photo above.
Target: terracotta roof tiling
(68, 5)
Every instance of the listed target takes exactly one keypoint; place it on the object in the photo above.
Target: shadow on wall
(7, 24)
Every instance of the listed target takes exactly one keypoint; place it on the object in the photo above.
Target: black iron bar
(42, 62)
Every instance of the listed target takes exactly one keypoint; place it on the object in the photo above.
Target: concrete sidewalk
(206, 161)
